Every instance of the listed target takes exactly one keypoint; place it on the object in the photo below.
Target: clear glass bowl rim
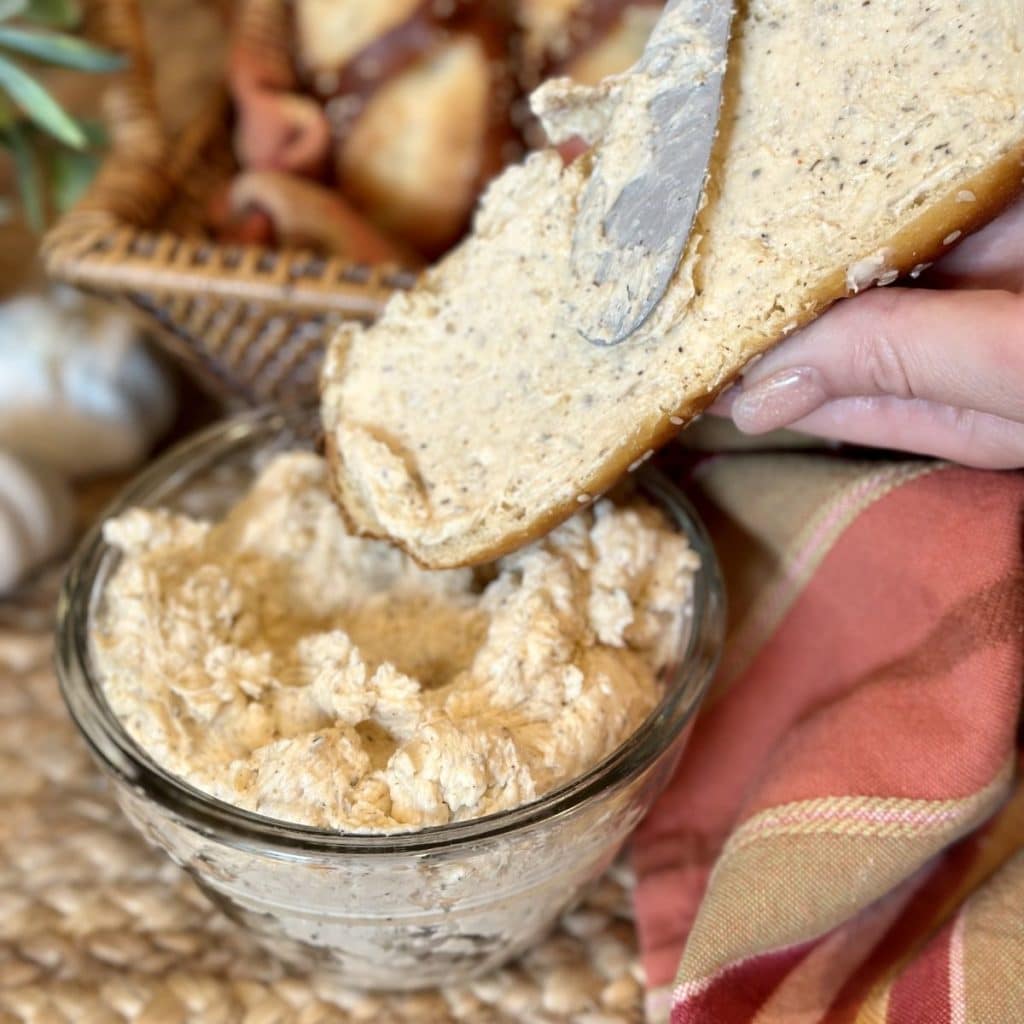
(127, 762)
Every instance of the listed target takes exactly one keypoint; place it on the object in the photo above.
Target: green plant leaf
(8, 112)
(11, 8)
(54, 13)
(95, 132)
(38, 105)
(58, 48)
(28, 173)
(71, 173)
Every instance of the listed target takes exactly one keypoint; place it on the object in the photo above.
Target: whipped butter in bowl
(398, 775)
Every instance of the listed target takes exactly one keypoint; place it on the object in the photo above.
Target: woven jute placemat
(98, 928)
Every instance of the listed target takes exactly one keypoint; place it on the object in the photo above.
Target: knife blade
(638, 208)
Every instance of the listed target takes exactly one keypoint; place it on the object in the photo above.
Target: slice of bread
(858, 140)
(413, 158)
(328, 34)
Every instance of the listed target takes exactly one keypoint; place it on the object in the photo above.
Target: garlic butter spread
(279, 664)
(843, 125)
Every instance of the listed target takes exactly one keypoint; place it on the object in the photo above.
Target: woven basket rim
(110, 242)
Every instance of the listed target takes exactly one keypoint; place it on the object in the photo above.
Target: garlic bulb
(78, 390)
(36, 518)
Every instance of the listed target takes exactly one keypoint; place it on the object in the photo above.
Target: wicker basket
(250, 321)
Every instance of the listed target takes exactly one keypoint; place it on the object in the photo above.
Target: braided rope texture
(97, 928)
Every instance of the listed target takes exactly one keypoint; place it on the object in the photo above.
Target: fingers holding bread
(961, 349)
(934, 372)
(965, 436)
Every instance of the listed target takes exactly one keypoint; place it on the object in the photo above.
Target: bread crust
(924, 240)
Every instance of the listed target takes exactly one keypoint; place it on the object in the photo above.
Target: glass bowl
(397, 911)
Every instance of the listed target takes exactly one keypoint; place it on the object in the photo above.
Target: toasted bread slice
(413, 158)
(858, 141)
(617, 49)
(329, 34)
(581, 39)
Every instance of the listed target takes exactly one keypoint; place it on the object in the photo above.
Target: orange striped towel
(844, 839)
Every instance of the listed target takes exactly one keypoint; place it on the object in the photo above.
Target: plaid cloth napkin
(844, 839)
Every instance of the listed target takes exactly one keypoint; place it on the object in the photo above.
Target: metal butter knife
(630, 235)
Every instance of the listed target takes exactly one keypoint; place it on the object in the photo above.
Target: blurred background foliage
(54, 154)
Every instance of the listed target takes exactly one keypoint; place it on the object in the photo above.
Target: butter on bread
(857, 142)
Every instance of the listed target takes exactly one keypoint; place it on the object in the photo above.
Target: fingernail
(779, 400)
(722, 405)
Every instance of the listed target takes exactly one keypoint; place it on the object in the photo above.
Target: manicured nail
(779, 400)
(722, 405)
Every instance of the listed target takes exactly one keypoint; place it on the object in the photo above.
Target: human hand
(936, 370)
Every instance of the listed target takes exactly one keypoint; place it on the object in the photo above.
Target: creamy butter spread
(841, 123)
(278, 663)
